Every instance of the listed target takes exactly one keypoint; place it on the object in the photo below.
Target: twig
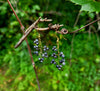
(53, 27)
(98, 41)
(97, 15)
(45, 20)
(89, 31)
(76, 21)
(71, 53)
(29, 49)
(85, 26)
(36, 22)
(27, 33)
(33, 26)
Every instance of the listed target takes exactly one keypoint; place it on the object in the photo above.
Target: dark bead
(43, 55)
(37, 49)
(63, 56)
(55, 49)
(52, 48)
(54, 62)
(37, 43)
(42, 59)
(51, 62)
(47, 48)
(34, 46)
(60, 61)
(39, 59)
(36, 40)
(44, 49)
(55, 56)
(57, 66)
(63, 63)
(63, 60)
(46, 56)
(60, 66)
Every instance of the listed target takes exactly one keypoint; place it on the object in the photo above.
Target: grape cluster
(62, 61)
(44, 54)
(58, 59)
(61, 55)
(36, 47)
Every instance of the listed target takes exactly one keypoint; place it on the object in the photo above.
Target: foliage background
(82, 50)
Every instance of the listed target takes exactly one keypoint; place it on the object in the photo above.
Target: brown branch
(33, 26)
(45, 20)
(63, 31)
(85, 26)
(50, 26)
(27, 33)
(40, 20)
(29, 49)
(42, 29)
(53, 27)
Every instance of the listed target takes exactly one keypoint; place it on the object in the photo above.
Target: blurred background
(82, 49)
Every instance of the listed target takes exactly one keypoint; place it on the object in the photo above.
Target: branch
(76, 21)
(40, 20)
(29, 49)
(33, 26)
(45, 20)
(53, 27)
(85, 26)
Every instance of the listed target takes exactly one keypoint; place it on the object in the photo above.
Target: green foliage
(88, 5)
(82, 69)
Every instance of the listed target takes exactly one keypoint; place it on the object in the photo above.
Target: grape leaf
(88, 5)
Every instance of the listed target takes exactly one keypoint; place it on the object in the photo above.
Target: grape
(44, 49)
(63, 63)
(52, 61)
(55, 49)
(37, 43)
(63, 56)
(55, 56)
(57, 66)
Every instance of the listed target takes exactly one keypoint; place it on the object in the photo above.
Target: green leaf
(36, 7)
(88, 5)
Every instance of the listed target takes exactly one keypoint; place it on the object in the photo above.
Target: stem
(57, 46)
(76, 21)
(39, 36)
(85, 26)
(29, 49)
